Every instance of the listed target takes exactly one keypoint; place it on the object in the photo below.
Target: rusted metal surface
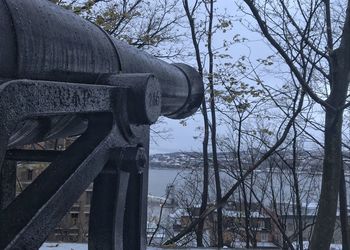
(61, 76)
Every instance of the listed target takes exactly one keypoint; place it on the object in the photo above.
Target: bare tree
(196, 39)
(195, 42)
(304, 35)
(299, 98)
(210, 10)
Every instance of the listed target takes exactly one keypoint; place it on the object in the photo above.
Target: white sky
(182, 137)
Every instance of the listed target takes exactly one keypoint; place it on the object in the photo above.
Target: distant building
(261, 226)
(264, 232)
(308, 215)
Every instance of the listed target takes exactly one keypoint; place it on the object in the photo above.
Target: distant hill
(183, 160)
(307, 161)
(176, 160)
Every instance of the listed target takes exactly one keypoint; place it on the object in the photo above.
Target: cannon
(62, 76)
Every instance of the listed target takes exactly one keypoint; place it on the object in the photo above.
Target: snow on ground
(306, 246)
(63, 246)
(71, 246)
(77, 246)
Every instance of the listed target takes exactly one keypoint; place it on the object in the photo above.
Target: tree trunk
(324, 227)
(297, 191)
(200, 227)
(332, 164)
(343, 211)
(210, 10)
(244, 194)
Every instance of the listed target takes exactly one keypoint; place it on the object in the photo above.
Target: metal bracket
(120, 180)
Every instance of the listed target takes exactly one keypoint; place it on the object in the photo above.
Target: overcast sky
(182, 137)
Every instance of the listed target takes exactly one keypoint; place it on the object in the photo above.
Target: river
(281, 182)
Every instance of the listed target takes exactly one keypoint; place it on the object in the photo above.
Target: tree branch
(282, 52)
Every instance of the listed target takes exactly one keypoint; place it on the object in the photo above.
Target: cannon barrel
(42, 41)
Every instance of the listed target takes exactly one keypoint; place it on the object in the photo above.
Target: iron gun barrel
(42, 41)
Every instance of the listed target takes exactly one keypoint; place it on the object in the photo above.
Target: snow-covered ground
(306, 246)
(77, 246)
(70, 246)
(63, 246)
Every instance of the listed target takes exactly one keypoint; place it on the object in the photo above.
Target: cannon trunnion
(60, 76)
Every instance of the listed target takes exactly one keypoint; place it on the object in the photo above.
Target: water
(281, 182)
(159, 179)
